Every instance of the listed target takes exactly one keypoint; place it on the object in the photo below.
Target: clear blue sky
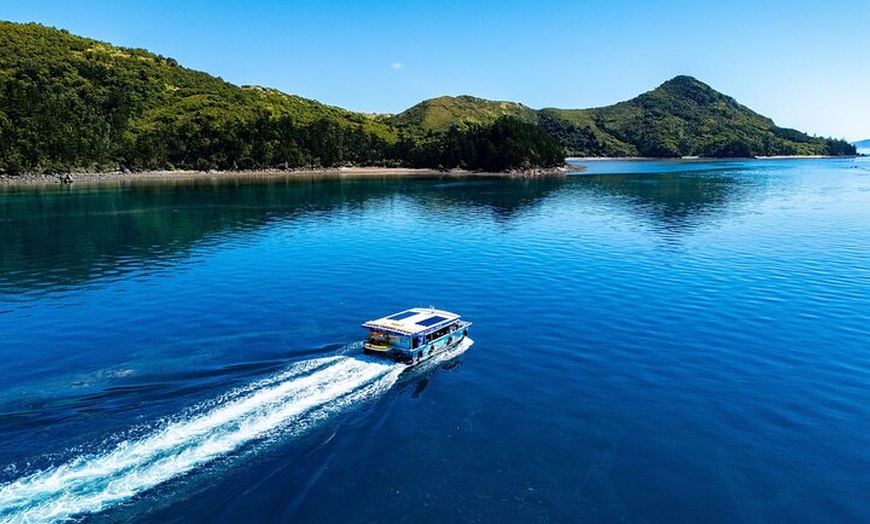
(806, 64)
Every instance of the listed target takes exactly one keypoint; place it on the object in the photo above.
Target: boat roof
(413, 321)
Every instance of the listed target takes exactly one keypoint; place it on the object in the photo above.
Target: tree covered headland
(682, 117)
(71, 103)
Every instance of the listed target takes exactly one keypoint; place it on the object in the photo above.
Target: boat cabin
(414, 334)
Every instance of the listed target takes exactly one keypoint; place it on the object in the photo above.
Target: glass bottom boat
(414, 335)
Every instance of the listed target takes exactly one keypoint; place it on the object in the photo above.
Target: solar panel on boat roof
(431, 320)
(403, 315)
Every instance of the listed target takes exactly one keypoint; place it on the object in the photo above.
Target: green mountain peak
(68, 102)
(438, 114)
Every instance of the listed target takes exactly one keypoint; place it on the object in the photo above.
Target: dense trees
(685, 117)
(70, 103)
(682, 117)
(73, 103)
(508, 143)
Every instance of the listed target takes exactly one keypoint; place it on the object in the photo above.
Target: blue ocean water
(655, 342)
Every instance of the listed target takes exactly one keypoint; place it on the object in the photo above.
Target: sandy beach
(114, 177)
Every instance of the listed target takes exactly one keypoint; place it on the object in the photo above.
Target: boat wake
(295, 400)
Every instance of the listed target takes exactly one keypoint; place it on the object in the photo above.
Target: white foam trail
(89, 484)
(451, 353)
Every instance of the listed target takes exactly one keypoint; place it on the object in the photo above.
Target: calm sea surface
(655, 342)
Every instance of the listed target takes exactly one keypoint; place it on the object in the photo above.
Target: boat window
(403, 315)
(431, 320)
(400, 342)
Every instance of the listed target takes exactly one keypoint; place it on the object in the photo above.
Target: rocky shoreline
(114, 177)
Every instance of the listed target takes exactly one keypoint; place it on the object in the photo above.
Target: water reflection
(672, 203)
(63, 236)
(502, 199)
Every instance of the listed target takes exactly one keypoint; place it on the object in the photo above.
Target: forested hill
(438, 114)
(682, 117)
(69, 103)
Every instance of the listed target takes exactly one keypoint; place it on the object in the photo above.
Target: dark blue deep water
(655, 342)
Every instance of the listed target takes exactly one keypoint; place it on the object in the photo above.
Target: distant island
(862, 145)
(69, 103)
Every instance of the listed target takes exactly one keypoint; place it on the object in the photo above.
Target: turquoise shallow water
(655, 342)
